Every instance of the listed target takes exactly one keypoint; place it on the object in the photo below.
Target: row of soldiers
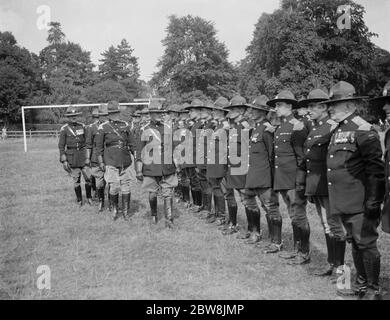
(321, 151)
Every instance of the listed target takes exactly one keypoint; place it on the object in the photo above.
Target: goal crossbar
(85, 105)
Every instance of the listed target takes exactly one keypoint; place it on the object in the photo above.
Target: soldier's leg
(151, 185)
(86, 171)
(98, 174)
(167, 185)
(125, 179)
(76, 176)
(112, 177)
(364, 240)
(253, 215)
(206, 194)
(270, 201)
(219, 200)
(195, 188)
(232, 211)
(185, 186)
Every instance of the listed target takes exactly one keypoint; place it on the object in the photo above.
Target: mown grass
(91, 257)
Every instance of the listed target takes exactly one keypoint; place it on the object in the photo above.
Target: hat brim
(328, 102)
(73, 114)
(261, 107)
(273, 102)
(306, 102)
(238, 106)
(113, 111)
(158, 111)
(380, 99)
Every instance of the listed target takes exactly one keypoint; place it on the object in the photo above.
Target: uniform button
(307, 160)
(329, 170)
(344, 148)
(308, 171)
(277, 137)
(331, 156)
(308, 150)
(314, 129)
(276, 147)
(330, 183)
(276, 157)
(339, 130)
(276, 167)
(309, 139)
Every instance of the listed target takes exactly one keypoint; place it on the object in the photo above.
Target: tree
(300, 47)
(193, 60)
(105, 91)
(20, 77)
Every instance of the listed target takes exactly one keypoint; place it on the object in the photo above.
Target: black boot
(126, 206)
(276, 236)
(205, 213)
(268, 218)
(372, 265)
(109, 199)
(88, 193)
(100, 193)
(249, 218)
(79, 195)
(197, 200)
(94, 189)
(303, 256)
(331, 249)
(153, 208)
(232, 228)
(297, 244)
(115, 205)
(168, 212)
(186, 194)
(256, 234)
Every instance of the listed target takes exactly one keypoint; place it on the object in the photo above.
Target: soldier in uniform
(192, 125)
(216, 171)
(289, 139)
(159, 173)
(356, 185)
(314, 164)
(91, 160)
(260, 175)
(384, 103)
(73, 153)
(236, 180)
(95, 120)
(114, 146)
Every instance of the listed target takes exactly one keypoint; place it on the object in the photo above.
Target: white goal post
(144, 102)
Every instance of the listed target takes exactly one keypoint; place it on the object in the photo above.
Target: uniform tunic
(386, 207)
(90, 141)
(315, 150)
(289, 140)
(355, 168)
(218, 145)
(72, 144)
(115, 143)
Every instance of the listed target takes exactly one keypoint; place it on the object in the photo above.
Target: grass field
(91, 257)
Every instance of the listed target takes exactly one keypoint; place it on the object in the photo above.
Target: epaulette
(362, 124)
(63, 127)
(298, 125)
(333, 124)
(269, 127)
(101, 125)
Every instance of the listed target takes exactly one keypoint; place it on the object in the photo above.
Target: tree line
(299, 46)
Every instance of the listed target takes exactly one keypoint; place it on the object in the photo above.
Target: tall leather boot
(232, 228)
(206, 212)
(100, 193)
(331, 249)
(249, 218)
(276, 236)
(297, 244)
(303, 257)
(213, 215)
(114, 198)
(88, 193)
(256, 232)
(186, 194)
(197, 200)
(372, 265)
(220, 208)
(94, 189)
(109, 199)
(268, 218)
(168, 212)
(126, 206)
(359, 287)
(153, 208)
(79, 195)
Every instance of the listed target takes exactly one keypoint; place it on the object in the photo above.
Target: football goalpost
(138, 102)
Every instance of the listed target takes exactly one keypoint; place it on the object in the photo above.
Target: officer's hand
(88, 162)
(139, 176)
(66, 166)
(102, 166)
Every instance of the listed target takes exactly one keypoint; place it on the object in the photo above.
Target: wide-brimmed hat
(95, 112)
(155, 106)
(342, 91)
(196, 103)
(260, 103)
(385, 95)
(237, 101)
(136, 114)
(220, 104)
(283, 96)
(183, 107)
(174, 108)
(315, 96)
(113, 107)
(103, 110)
(72, 112)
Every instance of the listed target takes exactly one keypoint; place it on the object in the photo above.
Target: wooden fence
(33, 134)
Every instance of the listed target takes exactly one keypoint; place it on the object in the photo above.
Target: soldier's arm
(269, 145)
(371, 151)
(88, 142)
(99, 138)
(298, 139)
(131, 141)
(61, 145)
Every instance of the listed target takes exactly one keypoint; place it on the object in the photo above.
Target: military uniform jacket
(115, 143)
(314, 164)
(160, 144)
(235, 181)
(355, 167)
(218, 145)
(90, 141)
(72, 144)
(202, 144)
(290, 137)
(386, 207)
(260, 170)
(192, 127)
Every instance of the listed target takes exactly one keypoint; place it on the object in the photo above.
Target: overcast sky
(97, 24)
